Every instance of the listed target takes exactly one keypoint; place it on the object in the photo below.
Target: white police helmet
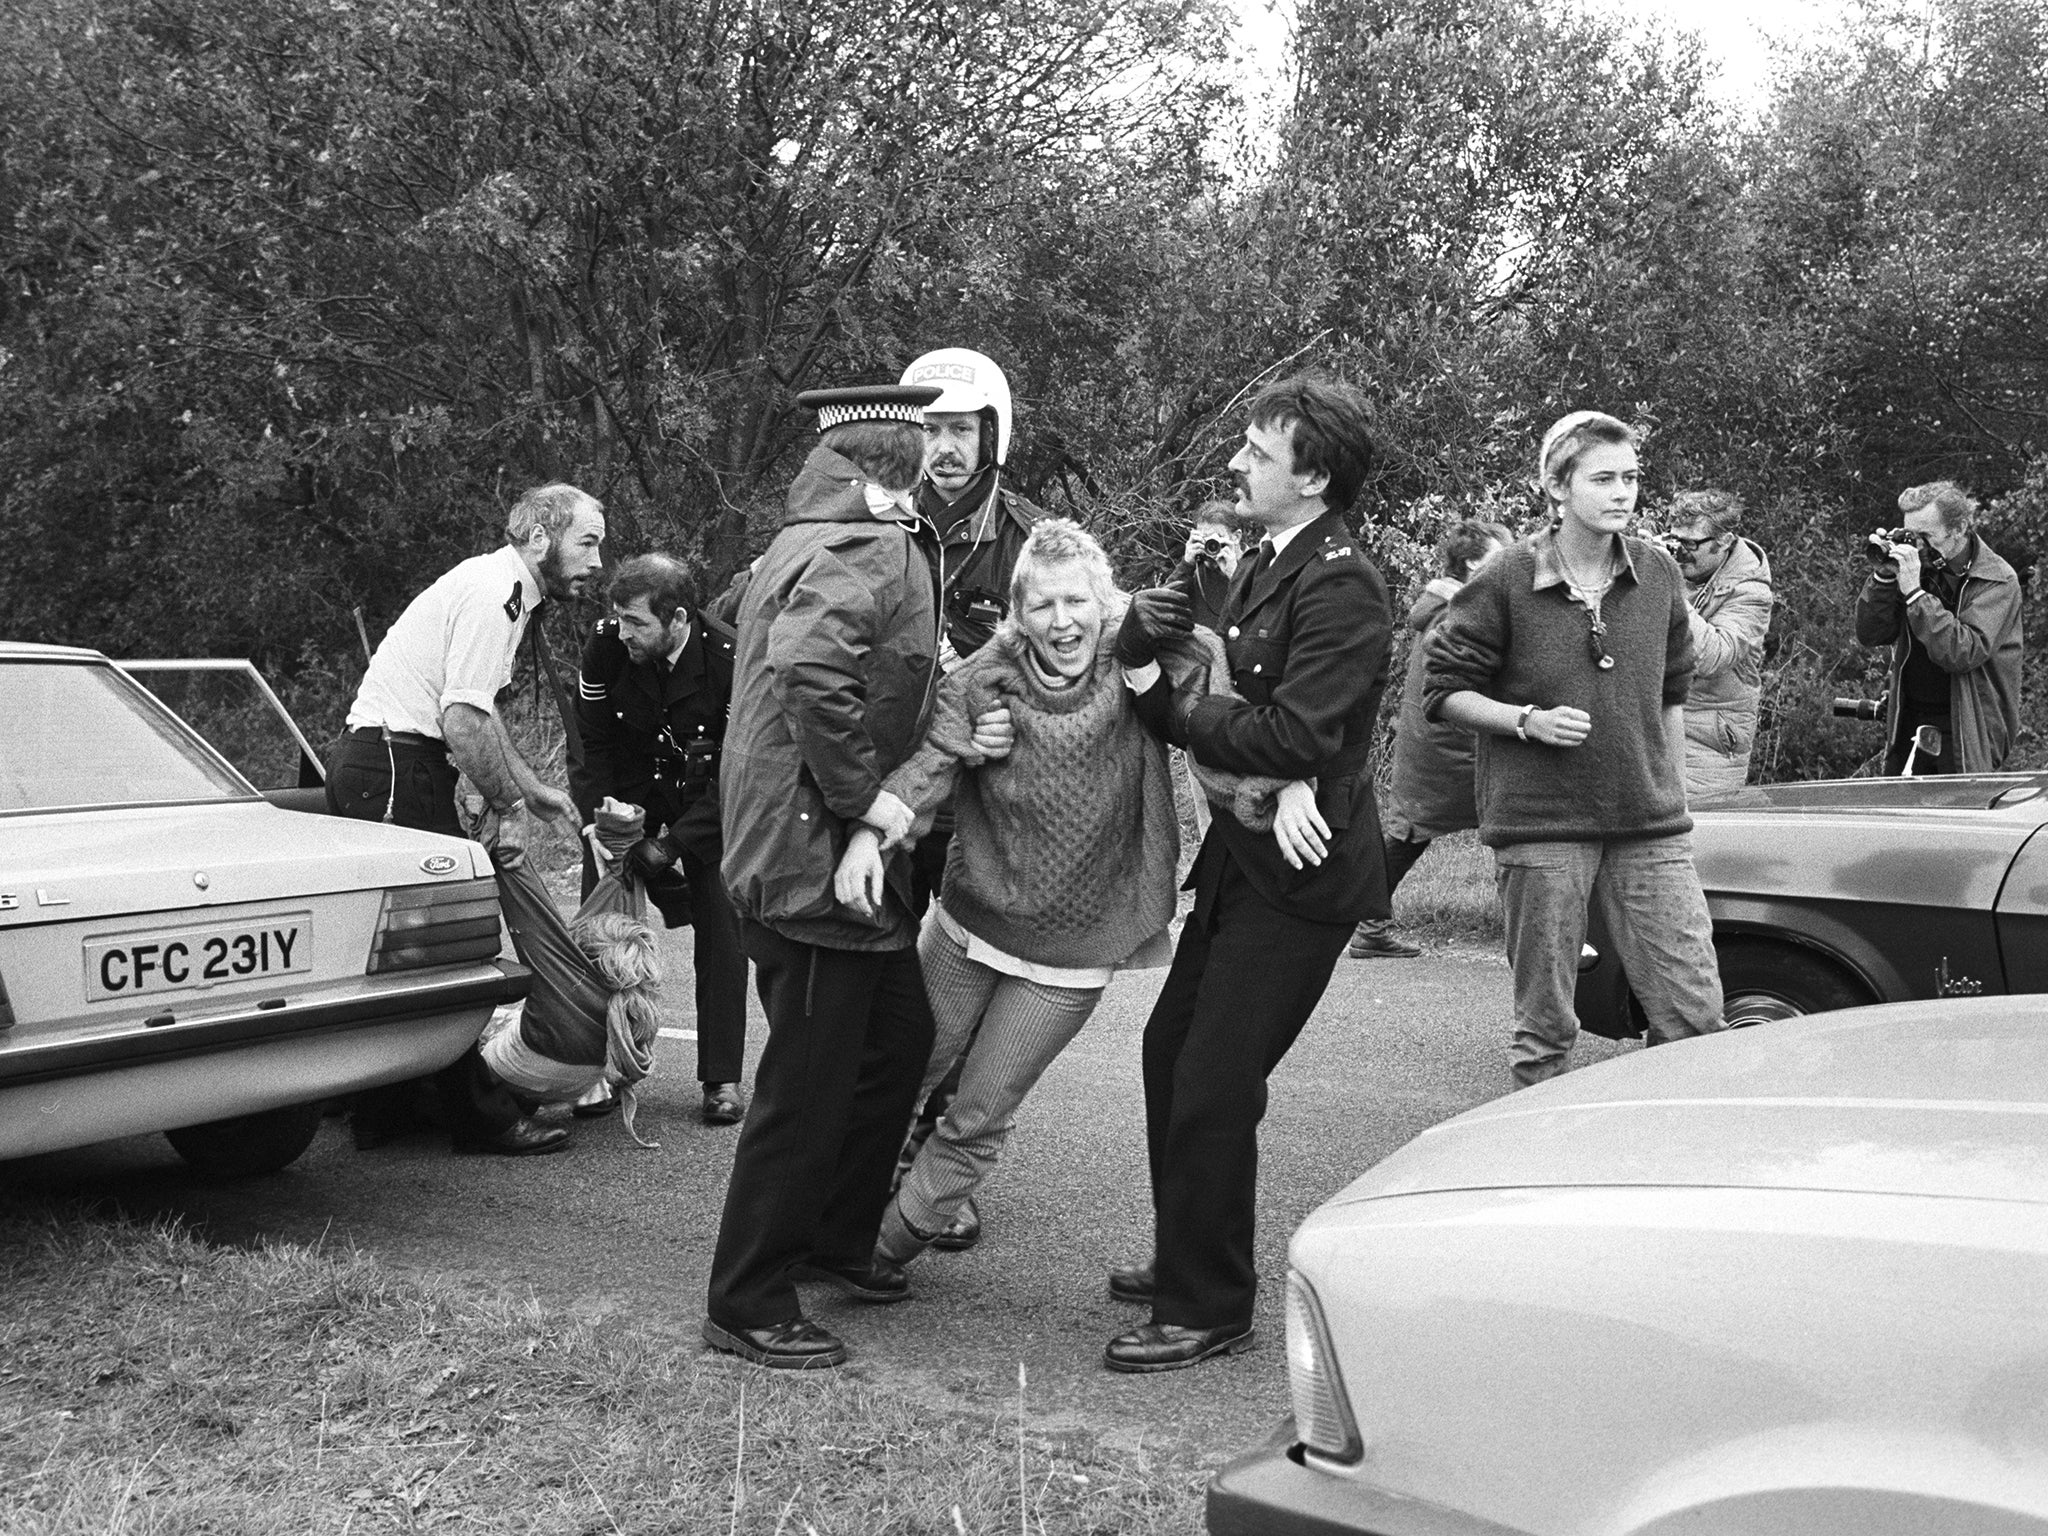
(967, 381)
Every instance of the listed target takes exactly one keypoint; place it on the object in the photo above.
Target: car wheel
(248, 1144)
(1762, 982)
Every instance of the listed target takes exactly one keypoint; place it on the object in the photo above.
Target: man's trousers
(849, 1033)
(1245, 978)
(417, 783)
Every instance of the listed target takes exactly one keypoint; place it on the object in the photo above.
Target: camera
(1878, 548)
(1860, 709)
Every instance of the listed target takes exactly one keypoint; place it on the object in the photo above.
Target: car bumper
(243, 1063)
(1266, 1492)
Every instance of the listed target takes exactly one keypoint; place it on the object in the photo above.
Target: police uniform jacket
(979, 556)
(1307, 640)
(653, 734)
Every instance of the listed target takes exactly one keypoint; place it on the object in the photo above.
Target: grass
(150, 1383)
(1450, 893)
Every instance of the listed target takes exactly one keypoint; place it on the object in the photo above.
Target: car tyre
(248, 1144)
(1762, 982)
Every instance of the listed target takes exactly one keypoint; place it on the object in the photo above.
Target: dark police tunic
(652, 736)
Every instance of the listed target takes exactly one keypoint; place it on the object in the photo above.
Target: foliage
(298, 295)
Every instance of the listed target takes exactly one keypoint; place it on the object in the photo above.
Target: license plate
(178, 959)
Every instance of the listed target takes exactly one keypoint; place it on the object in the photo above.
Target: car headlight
(422, 925)
(1322, 1414)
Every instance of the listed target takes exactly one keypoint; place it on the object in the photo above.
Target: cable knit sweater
(1064, 852)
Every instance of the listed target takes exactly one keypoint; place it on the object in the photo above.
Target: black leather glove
(650, 859)
(1155, 616)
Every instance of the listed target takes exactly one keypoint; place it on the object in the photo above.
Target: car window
(228, 702)
(79, 733)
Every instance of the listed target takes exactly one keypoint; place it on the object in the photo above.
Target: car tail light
(1322, 1415)
(424, 925)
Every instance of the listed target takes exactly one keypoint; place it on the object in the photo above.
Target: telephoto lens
(1859, 709)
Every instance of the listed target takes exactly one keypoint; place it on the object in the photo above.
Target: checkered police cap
(869, 402)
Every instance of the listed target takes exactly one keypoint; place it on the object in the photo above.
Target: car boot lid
(69, 866)
(1943, 1099)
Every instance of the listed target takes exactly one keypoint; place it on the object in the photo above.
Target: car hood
(1942, 1098)
(74, 865)
(1962, 792)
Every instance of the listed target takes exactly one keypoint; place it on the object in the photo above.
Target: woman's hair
(1719, 510)
(1467, 543)
(891, 453)
(1958, 511)
(1568, 440)
(549, 508)
(1061, 541)
(664, 581)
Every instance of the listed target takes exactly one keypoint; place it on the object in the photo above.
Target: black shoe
(1375, 942)
(522, 1138)
(1131, 1282)
(723, 1104)
(877, 1281)
(595, 1109)
(797, 1345)
(963, 1232)
(1169, 1347)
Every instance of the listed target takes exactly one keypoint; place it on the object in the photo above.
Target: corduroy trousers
(1010, 1029)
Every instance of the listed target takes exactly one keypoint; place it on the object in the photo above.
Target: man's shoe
(878, 1281)
(1169, 1347)
(963, 1232)
(797, 1345)
(595, 1106)
(1131, 1282)
(1377, 941)
(723, 1104)
(522, 1138)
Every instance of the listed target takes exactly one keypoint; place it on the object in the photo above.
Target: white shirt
(1281, 540)
(454, 644)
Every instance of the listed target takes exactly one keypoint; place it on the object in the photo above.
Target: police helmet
(967, 381)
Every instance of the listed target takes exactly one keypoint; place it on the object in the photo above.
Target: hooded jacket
(1432, 788)
(834, 682)
(1978, 646)
(1731, 612)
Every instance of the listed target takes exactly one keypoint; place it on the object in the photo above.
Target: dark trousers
(1402, 854)
(927, 880)
(365, 776)
(1245, 978)
(849, 1033)
(721, 968)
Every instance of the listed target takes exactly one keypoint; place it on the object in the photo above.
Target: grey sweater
(1515, 633)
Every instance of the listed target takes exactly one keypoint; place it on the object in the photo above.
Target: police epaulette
(719, 628)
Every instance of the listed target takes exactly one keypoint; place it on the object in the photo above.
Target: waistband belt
(398, 738)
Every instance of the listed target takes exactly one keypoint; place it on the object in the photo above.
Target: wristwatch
(1522, 722)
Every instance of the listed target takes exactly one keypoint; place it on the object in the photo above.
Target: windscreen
(79, 733)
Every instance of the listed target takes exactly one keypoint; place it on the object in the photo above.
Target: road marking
(679, 1034)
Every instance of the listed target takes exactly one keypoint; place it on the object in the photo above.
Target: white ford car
(1785, 1280)
(180, 954)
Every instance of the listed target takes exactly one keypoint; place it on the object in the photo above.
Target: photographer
(1950, 609)
(1208, 562)
(1728, 585)
(651, 704)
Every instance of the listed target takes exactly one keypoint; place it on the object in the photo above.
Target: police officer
(426, 710)
(1306, 630)
(652, 704)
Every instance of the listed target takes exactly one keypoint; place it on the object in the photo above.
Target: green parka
(834, 682)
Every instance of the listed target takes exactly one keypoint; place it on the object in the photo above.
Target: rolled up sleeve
(480, 642)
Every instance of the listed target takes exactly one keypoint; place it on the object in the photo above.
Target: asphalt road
(612, 1230)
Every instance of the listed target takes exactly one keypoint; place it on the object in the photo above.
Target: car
(179, 953)
(1837, 893)
(1781, 1280)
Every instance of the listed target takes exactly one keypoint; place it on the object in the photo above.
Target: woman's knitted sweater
(1064, 852)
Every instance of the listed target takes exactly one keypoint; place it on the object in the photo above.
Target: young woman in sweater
(1568, 656)
(1061, 870)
